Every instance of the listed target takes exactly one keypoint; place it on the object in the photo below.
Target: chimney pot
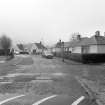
(97, 33)
(104, 33)
(78, 37)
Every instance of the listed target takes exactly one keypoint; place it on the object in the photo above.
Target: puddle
(43, 78)
(2, 61)
(53, 74)
(21, 74)
(34, 77)
(59, 74)
(3, 83)
(41, 81)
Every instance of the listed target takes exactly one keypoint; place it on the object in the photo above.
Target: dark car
(24, 52)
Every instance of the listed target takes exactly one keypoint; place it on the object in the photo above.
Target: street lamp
(63, 51)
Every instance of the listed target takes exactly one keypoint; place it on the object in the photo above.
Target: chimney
(97, 33)
(78, 37)
(104, 34)
(60, 41)
(40, 42)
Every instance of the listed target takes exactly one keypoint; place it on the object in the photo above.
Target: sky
(27, 21)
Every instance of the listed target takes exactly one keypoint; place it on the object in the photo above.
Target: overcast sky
(50, 20)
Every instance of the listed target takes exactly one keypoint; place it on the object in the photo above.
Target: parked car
(16, 52)
(24, 52)
(47, 54)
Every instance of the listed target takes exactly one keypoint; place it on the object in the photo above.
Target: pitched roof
(15, 47)
(28, 46)
(66, 44)
(100, 40)
(58, 45)
(40, 46)
(20, 46)
(94, 40)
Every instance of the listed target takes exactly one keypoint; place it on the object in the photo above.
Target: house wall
(77, 50)
(58, 49)
(93, 49)
(38, 50)
(57, 52)
(33, 48)
(70, 49)
(90, 49)
(101, 48)
(53, 50)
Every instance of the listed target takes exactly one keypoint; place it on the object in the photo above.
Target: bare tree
(6, 43)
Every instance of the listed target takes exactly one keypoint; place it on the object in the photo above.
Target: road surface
(47, 100)
(56, 84)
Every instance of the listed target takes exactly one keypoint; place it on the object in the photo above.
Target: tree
(6, 43)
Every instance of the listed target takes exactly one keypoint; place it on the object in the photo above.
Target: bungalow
(88, 49)
(40, 48)
(27, 47)
(56, 50)
(34, 48)
(18, 48)
(83, 49)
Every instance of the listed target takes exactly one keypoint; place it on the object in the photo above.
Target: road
(31, 99)
(56, 79)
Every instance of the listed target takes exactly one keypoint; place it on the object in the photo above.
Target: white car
(16, 52)
(47, 54)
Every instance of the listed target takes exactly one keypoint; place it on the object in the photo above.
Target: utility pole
(62, 51)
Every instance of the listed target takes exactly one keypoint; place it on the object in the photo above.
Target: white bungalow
(90, 49)
(34, 48)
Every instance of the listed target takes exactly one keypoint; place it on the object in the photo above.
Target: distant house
(20, 47)
(40, 48)
(67, 48)
(88, 49)
(27, 47)
(34, 48)
(84, 49)
(56, 49)
(17, 48)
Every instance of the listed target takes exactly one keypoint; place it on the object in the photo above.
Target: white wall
(58, 50)
(93, 49)
(38, 50)
(97, 49)
(70, 49)
(33, 48)
(77, 50)
(101, 48)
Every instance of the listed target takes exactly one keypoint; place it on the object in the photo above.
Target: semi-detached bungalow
(88, 49)
(34, 48)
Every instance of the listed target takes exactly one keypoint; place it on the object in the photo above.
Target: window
(85, 49)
